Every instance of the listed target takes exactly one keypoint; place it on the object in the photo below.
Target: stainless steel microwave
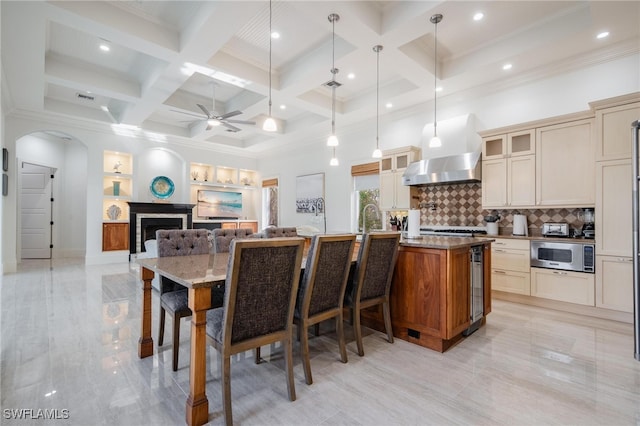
(567, 256)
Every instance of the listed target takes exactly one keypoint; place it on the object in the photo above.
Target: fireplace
(146, 218)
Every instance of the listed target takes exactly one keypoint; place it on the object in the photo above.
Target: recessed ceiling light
(439, 89)
(603, 34)
(478, 16)
(507, 67)
(283, 106)
(104, 45)
(351, 76)
(389, 105)
(104, 108)
(275, 35)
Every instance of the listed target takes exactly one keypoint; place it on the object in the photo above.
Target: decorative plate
(162, 187)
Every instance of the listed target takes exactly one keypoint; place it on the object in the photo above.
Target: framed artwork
(310, 193)
(5, 184)
(5, 159)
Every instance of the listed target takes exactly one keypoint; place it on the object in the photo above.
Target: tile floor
(69, 342)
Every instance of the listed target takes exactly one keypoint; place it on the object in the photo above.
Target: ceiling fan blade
(205, 110)
(190, 113)
(230, 127)
(229, 115)
(240, 121)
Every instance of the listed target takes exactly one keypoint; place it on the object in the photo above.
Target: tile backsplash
(461, 205)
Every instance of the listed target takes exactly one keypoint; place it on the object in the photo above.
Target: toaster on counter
(555, 229)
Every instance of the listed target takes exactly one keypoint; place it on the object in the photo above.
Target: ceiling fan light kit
(269, 124)
(435, 141)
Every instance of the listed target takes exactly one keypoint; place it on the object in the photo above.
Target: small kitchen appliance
(520, 225)
(567, 256)
(555, 229)
(588, 227)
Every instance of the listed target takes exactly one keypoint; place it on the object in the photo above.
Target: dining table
(199, 274)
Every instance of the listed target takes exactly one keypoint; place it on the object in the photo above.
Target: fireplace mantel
(157, 210)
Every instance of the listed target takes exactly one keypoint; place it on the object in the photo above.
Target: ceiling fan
(213, 119)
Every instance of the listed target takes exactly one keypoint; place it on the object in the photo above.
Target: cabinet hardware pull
(559, 273)
(500, 251)
(495, 271)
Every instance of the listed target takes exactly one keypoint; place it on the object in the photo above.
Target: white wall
(561, 94)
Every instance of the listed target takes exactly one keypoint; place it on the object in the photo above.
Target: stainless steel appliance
(477, 289)
(588, 227)
(565, 256)
(636, 238)
(555, 229)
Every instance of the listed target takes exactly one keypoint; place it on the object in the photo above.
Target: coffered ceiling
(166, 57)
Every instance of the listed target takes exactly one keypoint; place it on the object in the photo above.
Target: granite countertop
(445, 243)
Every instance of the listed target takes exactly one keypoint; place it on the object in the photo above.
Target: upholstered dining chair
(222, 238)
(260, 294)
(371, 282)
(321, 291)
(280, 232)
(173, 296)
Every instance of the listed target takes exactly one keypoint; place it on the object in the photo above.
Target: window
(366, 192)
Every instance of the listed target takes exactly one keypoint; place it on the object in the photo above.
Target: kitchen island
(431, 291)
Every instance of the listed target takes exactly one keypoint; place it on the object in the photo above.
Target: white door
(35, 212)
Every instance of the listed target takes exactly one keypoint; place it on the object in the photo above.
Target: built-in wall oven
(567, 256)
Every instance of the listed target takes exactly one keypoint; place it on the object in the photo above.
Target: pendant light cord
(377, 94)
(270, 37)
(435, 85)
(333, 72)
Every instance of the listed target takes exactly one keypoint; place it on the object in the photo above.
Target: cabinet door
(387, 191)
(494, 183)
(403, 193)
(386, 164)
(229, 225)
(115, 236)
(511, 282)
(511, 260)
(572, 287)
(614, 283)
(253, 226)
(494, 147)
(458, 292)
(612, 131)
(565, 166)
(613, 207)
(521, 178)
(521, 143)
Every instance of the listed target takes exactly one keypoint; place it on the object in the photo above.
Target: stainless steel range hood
(459, 168)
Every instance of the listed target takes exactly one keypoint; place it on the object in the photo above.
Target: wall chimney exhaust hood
(459, 168)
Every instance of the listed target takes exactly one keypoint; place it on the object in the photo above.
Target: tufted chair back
(275, 232)
(182, 242)
(222, 238)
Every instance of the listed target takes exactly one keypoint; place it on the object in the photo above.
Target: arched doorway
(66, 159)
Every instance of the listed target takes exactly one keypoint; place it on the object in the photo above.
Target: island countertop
(445, 243)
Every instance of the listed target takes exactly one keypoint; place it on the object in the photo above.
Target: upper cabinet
(508, 170)
(565, 164)
(393, 194)
(613, 131)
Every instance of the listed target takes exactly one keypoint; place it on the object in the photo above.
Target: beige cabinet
(565, 164)
(565, 286)
(510, 266)
(614, 283)
(508, 170)
(613, 134)
(613, 208)
(393, 194)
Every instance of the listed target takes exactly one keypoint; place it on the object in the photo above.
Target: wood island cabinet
(430, 295)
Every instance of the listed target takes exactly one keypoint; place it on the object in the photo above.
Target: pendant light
(269, 124)
(377, 153)
(435, 141)
(333, 139)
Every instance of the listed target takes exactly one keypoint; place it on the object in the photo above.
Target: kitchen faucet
(364, 216)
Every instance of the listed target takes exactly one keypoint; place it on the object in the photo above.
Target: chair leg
(304, 351)
(256, 355)
(225, 362)
(387, 321)
(161, 330)
(316, 329)
(289, 365)
(176, 341)
(358, 330)
(341, 341)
